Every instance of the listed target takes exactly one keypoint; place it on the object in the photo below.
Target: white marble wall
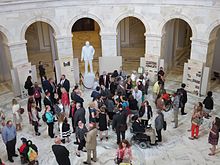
(16, 16)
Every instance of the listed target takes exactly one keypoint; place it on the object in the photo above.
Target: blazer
(106, 82)
(91, 141)
(66, 85)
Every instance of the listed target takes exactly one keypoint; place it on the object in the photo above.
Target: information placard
(151, 66)
(194, 77)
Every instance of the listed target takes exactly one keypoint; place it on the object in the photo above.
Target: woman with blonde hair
(16, 114)
(35, 118)
(92, 112)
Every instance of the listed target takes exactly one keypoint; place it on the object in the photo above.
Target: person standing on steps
(42, 71)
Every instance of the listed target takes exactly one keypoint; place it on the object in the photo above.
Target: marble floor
(176, 148)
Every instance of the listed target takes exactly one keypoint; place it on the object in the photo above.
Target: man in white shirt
(137, 95)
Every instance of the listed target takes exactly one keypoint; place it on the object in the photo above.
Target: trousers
(89, 153)
(193, 129)
(10, 147)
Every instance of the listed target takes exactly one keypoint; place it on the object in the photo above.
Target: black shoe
(76, 142)
(78, 155)
(15, 155)
(93, 160)
(11, 160)
(155, 144)
(86, 162)
(37, 134)
(184, 113)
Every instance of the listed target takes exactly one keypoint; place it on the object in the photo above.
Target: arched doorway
(86, 29)
(41, 46)
(5, 65)
(213, 58)
(130, 42)
(175, 48)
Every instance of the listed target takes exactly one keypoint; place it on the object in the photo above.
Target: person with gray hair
(91, 143)
(159, 122)
(9, 138)
(60, 152)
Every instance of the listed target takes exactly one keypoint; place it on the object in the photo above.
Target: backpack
(44, 117)
(37, 94)
(32, 155)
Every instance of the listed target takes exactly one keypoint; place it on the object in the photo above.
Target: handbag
(164, 125)
(21, 110)
(117, 160)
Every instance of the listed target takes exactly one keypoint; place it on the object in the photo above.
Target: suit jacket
(106, 82)
(66, 85)
(91, 141)
(79, 115)
(61, 154)
(119, 119)
(183, 95)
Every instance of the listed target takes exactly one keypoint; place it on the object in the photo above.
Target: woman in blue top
(50, 121)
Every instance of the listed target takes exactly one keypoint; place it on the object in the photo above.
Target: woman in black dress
(29, 86)
(128, 87)
(103, 123)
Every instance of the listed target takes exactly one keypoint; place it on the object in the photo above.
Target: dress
(213, 138)
(103, 122)
(16, 115)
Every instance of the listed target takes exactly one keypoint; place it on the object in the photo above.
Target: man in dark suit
(76, 97)
(119, 123)
(79, 115)
(65, 83)
(49, 101)
(183, 98)
(104, 80)
(42, 71)
(60, 152)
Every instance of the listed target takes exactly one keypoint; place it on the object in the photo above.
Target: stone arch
(37, 19)
(136, 15)
(6, 34)
(211, 28)
(184, 18)
(88, 15)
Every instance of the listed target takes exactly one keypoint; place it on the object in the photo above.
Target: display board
(23, 71)
(66, 68)
(151, 66)
(194, 77)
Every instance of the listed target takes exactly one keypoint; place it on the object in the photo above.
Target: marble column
(109, 60)
(66, 64)
(152, 44)
(199, 50)
(64, 46)
(199, 54)
(18, 53)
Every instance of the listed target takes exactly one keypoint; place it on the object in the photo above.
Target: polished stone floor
(176, 148)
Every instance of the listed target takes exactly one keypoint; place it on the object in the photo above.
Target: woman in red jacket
(65, 100)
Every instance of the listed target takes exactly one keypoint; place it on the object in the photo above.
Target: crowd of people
(118, 101)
